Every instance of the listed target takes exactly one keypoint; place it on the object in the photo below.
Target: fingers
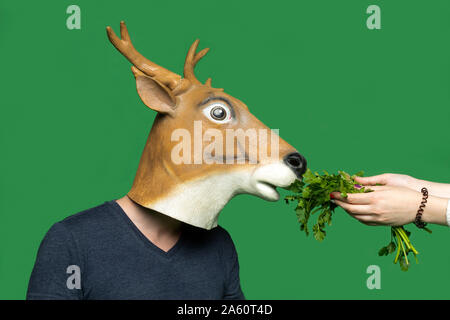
(362, 213)
(377, 188)
(365, 219)
(378, 179)
(354, 208)
(353, 198)
(359, 198)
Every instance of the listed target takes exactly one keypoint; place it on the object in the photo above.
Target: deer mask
(204, 147)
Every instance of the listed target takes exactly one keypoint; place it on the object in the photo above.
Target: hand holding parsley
(313, 195)
(388, 206)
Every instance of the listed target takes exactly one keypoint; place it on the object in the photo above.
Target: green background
(348, 98)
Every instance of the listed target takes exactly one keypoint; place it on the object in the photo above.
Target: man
(125, 251)
(162, 240)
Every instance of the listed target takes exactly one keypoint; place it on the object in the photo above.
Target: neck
(151, 223)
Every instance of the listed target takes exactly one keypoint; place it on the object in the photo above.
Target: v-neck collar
(117, 208)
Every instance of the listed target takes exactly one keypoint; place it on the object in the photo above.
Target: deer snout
(296, 162)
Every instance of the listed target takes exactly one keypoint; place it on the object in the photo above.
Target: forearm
(434, 188)
(436, 211)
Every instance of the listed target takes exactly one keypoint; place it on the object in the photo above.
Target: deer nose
(296, 162)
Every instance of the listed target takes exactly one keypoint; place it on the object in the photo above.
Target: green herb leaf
(319, 234)
(313, 195)
(403, 264)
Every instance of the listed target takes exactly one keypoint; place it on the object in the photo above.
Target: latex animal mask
(204, 147)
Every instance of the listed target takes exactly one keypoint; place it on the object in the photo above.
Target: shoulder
(89, 216)
(90, 224)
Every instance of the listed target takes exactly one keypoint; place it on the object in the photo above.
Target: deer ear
(153, 93)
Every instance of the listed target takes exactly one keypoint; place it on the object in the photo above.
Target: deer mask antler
(191, 60)
(125, 46)
(170, 79)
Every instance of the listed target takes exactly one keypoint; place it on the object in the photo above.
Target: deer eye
(218, 112)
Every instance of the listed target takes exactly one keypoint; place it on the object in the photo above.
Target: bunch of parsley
(312, 195)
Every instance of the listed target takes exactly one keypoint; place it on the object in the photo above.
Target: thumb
(379, 179)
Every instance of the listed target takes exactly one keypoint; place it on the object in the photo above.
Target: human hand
(386, 205)
(391, 179)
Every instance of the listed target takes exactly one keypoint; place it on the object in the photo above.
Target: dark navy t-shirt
(100, 254)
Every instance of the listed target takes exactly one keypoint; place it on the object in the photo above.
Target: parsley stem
(404, 251)
(407, 241)
(400, 233)
(398, 248)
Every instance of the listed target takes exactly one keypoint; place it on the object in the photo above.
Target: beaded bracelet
(418, 221)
